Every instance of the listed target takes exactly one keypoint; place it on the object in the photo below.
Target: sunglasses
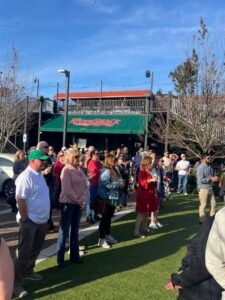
(50, 149)
(77, 156)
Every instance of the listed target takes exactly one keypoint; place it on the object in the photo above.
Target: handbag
(99, 205)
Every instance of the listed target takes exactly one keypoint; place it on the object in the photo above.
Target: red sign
(95, 122)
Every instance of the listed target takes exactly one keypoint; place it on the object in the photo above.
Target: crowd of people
(75, 180)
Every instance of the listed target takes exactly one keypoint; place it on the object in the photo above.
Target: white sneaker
(159, 225)
(153, 226)
(110, 239)
(102, 243)
(81, 250)
(20, 292)
(185, 194)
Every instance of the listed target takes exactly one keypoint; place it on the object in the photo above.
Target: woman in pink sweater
(72, 199)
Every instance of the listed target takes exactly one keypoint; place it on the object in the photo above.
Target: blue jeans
(123, 199)
(93, 194)
(70, 219)
(182, 183)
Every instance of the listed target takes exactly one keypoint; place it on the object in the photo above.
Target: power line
(124, 85)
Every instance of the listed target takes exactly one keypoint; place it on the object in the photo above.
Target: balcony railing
(113, 106)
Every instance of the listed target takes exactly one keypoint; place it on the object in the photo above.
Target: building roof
(105, 94)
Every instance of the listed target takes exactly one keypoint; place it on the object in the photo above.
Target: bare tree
(197, 120)
(14, 110)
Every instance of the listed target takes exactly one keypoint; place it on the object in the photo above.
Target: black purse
(99, 205)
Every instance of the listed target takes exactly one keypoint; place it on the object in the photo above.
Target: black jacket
(195, 280)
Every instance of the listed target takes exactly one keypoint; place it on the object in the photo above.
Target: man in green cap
(33, 203)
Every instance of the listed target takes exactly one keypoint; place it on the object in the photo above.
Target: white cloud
(102, 6)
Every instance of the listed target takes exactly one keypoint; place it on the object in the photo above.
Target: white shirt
(183, 167)
(167, 164)
(215, 250)
(31, 186)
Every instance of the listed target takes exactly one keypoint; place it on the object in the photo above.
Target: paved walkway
(9, 229)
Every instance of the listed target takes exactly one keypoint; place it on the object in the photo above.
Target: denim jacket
(106, 187)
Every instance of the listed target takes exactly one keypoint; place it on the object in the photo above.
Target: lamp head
(66, 72)
(148, 74)
(61, 70)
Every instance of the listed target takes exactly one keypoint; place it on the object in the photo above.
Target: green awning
(114, 124)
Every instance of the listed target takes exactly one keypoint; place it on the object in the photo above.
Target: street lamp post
(67, 74)
(25, 124)
(148, 104)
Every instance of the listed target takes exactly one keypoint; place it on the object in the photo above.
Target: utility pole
(100, 100)
(146, 123)
(39, 109)
(168, 121)
(57, 91)
(56, 101)
(148, 108)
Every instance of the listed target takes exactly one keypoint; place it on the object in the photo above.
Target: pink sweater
(74, 185)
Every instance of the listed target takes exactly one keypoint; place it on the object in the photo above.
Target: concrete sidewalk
(9, 228)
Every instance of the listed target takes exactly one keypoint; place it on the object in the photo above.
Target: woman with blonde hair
(19, 165)
(108, 189)
(146, 196)
(72, 199)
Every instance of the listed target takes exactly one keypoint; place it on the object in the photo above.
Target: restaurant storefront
(104, 131)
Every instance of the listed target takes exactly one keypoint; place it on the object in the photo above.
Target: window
(4, 162)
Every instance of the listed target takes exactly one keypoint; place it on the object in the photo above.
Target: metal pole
(168, 121)
(151, 103)
(146, 123)
(57, 91)
(67, 73)
(55, 102)
(39, 111)
(148, 109)
(100, 100)
(25, 125)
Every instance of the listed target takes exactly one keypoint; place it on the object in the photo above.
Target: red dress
(57, 171)
(146, 197)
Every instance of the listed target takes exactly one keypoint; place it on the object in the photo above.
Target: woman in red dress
(146, 197)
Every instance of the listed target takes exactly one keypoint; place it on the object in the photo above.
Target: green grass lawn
(133, 268)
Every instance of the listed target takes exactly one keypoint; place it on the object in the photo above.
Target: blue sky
(111, 40)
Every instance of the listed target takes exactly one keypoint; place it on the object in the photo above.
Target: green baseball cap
(37, 154)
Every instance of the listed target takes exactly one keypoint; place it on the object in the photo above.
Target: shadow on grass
(127, 255)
